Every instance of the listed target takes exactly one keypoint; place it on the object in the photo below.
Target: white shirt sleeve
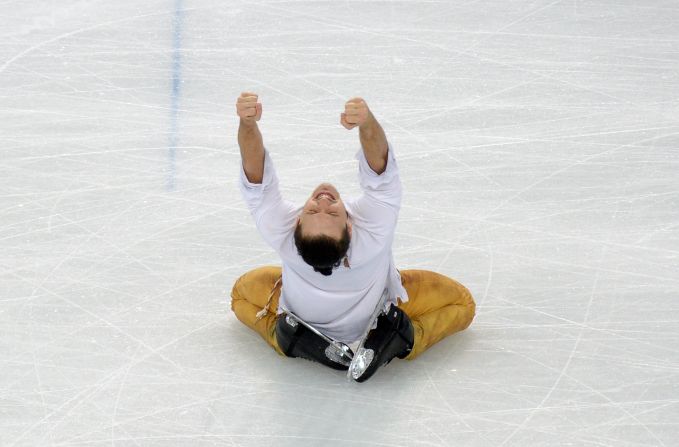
(274, 217)
(377, 208)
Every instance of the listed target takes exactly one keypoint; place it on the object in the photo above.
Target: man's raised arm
(249, 136)
(373, 140)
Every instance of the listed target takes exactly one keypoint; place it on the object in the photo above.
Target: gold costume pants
(438, 306)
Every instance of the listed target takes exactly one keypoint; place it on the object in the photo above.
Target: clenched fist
(356, 113)
(248, 108)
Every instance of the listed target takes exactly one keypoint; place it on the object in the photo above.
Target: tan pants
(438, 306)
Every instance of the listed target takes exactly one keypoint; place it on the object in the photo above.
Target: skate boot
(393, 337)
(297, 339)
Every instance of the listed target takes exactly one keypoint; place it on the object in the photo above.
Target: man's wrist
(370, 125)
(248, 125)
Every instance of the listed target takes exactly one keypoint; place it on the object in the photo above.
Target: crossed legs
(438, 306)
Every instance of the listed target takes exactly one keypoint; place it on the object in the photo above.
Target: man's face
(324, 213)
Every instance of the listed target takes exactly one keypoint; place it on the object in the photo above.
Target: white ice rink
(538, 143)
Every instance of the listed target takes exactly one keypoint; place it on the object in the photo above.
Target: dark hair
(322, 252)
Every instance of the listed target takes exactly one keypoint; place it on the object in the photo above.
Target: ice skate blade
(361, 362)
(339, 353)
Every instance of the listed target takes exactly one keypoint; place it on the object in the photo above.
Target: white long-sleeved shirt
(338, 305)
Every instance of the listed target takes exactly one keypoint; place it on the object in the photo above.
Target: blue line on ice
(176, 92)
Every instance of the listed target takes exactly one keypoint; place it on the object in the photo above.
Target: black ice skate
(299, 339)
(393, 337)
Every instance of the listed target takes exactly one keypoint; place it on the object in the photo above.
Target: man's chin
(327, 187)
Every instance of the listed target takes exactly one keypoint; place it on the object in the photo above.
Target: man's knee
(443, 288)
(458, 294)
(467, 297)
(465, 301)
(238, 292)
(235, 293)
(255, 286)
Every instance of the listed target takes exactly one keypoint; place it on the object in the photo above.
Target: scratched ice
(538, 145)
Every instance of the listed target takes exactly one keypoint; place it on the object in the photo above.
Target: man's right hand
(249, 110)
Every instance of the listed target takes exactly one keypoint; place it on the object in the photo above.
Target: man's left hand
(356, 113)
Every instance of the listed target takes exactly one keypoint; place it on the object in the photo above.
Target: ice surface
(539, 149)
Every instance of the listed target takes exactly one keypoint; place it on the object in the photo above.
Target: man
(337, 262)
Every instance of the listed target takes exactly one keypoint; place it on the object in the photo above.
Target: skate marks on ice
(537, 147)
